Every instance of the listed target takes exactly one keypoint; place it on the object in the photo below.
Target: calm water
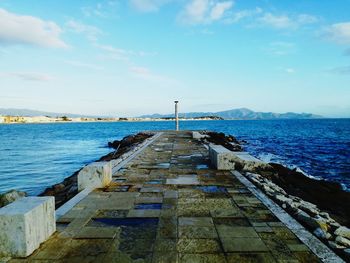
(34, 156)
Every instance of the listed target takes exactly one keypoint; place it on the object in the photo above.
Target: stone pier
(168, 204)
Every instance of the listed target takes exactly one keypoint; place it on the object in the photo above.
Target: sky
(134, 57)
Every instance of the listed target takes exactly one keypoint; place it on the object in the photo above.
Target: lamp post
(176, 116)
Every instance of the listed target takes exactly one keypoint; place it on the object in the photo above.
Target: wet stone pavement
(168, 205)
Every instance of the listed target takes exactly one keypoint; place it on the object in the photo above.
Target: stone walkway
(167, 205)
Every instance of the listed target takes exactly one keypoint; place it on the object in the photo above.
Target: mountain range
(34, 113)
(240, 114)
(234, 114)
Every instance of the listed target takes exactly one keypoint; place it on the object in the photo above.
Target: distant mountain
(33, 113)
(241, 114)
(235, 114)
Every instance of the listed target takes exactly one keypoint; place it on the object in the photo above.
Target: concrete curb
(123, 161)
(324, 253)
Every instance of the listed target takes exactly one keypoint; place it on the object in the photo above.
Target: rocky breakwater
(67, 189)
(320, 206)
(10, 197)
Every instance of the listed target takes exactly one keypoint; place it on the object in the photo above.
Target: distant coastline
(65, 119)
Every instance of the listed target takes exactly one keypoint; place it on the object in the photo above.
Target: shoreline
(167, 120)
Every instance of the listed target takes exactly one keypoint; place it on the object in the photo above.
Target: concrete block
(224, 159)
(246, 157)
(25, 224)
(197, 135)
(221, 158)
(95, 175)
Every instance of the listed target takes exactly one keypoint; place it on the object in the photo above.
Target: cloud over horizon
(286, 21)
(29, 30)
(204, 11)
(338, 33)
(148, 5)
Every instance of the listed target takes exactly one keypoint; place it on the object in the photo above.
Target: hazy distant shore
(64, 119)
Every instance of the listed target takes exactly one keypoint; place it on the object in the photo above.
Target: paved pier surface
(167, 205)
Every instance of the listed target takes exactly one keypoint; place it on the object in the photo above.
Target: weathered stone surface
(343, 241)
(243, 245)
(25, 224)
(334, 245)
(95, 175)
(193, 246)
(320, 233)
(10, 197)
(343, 231)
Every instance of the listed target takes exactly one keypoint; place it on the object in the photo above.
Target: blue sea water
(35, 156)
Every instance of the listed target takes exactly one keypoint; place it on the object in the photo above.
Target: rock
(256, 166)
(343, 231)
(58, 187)
(334, 245)
(10, 197)
(320, 233)
(342, 241)
(310, 221)
(283, 199)
(310, 210)
(325, 215)
(226, 141)
(347, 251)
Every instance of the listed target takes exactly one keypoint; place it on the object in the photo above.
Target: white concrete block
(246, 157)
(221, 158)
(224, 159)
(197, 135)
(25, 224)
(95, 175)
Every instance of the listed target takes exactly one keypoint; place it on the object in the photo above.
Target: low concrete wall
(95, 175)
(25, 224)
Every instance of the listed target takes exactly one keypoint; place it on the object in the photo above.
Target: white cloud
(148, 5)
(91, 32)
(29, 76)
(82, 65)
(219, 9)
(275, 21)
(304, 19)
(97, 10)
(285, 21)
(204, 11)
(123, 54)
(21, 29)
(339, 33)
(243, 14)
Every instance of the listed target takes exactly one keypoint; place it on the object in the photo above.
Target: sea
(36, 156)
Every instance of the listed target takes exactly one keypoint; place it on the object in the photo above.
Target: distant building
(2, 119)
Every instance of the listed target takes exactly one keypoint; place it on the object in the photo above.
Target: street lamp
(176, 116)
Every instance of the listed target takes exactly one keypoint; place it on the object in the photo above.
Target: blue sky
(126, 58)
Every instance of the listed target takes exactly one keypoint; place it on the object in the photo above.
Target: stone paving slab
(168, 205)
